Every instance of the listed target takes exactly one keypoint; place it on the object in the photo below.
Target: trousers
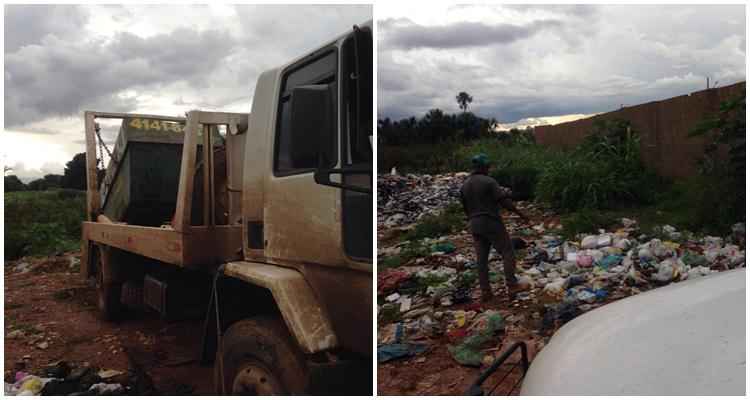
(493, 234)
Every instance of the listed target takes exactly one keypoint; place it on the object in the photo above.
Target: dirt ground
(51, 304)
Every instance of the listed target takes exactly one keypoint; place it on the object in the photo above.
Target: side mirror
(313, 126)
(323, 177)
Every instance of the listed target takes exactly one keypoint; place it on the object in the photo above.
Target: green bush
(516, 164)
(43, 223)
(521, 180)
(700, 204)
(605, 171)
(723, 164)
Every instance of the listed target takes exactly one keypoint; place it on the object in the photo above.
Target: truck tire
(108, 294)
(259, 357)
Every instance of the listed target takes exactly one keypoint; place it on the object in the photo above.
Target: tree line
(74, 177)
(434, 127)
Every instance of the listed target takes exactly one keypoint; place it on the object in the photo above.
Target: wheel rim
(255, 379)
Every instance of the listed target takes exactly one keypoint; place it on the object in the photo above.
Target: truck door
(302, 218)
(356, 149)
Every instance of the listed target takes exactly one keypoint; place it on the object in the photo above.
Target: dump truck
(258, 223)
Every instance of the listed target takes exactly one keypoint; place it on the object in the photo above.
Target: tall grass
(605, 171)
(43, 223)
(515, 165)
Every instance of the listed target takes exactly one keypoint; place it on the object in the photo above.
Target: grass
(690, 205)
(413, 249)
(27, 328)
(392, 262)
(448, 221)
(41, 223)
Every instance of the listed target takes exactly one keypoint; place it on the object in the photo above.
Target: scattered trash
(106, 388)
(108, 373)
(393, 297)
(31, 384)
(435, 297)
(63, 379)
(22, 268)
(609, 261)
(444, 247)
(403, 200)
(468, 352)
(405, 304)
(392, 351)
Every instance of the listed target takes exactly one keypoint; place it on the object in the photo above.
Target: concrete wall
(662, 125)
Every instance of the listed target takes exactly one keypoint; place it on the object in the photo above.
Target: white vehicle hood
(687, 338)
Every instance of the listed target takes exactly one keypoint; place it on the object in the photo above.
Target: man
(481, 197)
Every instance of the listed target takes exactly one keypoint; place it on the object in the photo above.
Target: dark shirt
(481, 196)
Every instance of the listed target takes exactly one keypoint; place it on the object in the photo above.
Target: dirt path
(51, 304)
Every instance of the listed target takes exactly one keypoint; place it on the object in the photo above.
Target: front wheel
(259, 357)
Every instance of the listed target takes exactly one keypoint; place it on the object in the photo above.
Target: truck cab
(307, 196)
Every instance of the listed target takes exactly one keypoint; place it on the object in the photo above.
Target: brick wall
(662, 125)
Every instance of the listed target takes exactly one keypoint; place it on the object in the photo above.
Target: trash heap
(434, 300)
(403, 200)
(65, 379)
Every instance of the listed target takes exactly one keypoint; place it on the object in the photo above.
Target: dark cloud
(28, 24)
(58, 78)
(405, 34)
(591, 58)
(55, 66)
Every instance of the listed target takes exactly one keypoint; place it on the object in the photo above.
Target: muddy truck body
(260, 224)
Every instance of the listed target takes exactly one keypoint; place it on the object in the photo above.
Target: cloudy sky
(62, 60)
(533, 61)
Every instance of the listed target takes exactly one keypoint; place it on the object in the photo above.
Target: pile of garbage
(403, 200)
(436, 297)
(66, 379)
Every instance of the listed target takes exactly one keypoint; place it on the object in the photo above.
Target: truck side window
(321, 70)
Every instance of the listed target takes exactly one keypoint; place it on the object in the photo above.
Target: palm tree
(463, 100)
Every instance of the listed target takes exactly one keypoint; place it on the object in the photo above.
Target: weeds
(604, 172)
(585, 221)
(42, 223)
(391, 262)
(450, 220)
